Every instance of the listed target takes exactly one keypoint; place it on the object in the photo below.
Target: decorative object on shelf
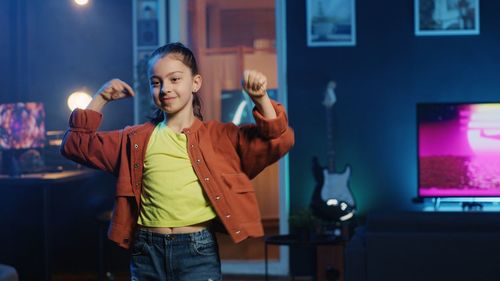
(31, 161)
(332, 199)
(331, 23)
(303, 223)
(446, 17)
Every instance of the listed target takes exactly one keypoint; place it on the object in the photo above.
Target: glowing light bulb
(79, 100)
(81, 2)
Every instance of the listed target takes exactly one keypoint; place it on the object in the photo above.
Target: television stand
(462, 204)
(472, 206)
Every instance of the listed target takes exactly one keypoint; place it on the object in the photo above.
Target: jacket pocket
(241, 198)
(238, 183)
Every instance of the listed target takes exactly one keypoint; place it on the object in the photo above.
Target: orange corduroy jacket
(224, 157)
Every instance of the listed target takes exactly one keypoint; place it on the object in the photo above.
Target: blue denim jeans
(175, 257)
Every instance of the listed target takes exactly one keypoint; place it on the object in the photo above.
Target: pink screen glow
(459, 150)
(483, 127)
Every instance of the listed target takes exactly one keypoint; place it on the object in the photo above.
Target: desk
(45, 181)
(294, 240)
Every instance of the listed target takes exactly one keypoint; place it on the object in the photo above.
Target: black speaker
(147, 32)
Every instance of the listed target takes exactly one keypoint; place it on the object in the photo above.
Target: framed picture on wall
(446, 17)
(331, 23)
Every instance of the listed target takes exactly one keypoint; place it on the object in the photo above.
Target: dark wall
(52, 48)
(5, 47)
(379, 82)
(48, 49)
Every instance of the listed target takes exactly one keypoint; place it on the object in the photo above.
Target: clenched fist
(114, 90)
(254, 83)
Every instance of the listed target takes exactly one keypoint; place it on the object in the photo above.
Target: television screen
(236, 106)
(22, 125)
(458, 149)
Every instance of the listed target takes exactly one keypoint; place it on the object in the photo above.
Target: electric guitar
(332, 198)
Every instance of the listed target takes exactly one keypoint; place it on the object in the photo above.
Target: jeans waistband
(180, 237)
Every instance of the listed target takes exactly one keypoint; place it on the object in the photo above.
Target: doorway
(228, 36)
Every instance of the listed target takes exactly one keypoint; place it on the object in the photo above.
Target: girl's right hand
(114, 90)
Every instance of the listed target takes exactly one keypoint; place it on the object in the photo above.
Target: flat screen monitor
(236, 106)
(22, 126)
(458, 149)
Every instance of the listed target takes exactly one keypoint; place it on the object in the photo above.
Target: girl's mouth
(165, 98)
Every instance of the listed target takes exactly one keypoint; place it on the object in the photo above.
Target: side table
(46, 182)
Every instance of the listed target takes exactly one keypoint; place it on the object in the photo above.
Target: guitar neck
(329, 139)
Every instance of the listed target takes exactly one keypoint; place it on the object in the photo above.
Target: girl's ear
(197, 81)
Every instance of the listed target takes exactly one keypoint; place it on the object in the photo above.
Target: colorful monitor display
(458, 149)
(22, 125)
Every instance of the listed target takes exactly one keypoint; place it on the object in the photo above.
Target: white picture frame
(331, 23)
(446, 17)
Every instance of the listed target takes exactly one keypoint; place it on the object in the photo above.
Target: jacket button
(228, 216)
(136, 165)
(238, 232)
(136, 146)
(198, 160)
(192, 145)
(137, 184)
(207, 179)
(217, 198)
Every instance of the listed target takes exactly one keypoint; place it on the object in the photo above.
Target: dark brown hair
(186, 56)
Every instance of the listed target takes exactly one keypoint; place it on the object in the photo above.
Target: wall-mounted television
(458, 149)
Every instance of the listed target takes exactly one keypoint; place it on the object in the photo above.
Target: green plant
(304, 218)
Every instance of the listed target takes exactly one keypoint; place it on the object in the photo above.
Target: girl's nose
(165, 88)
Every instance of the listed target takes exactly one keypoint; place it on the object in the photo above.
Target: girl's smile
(166, 98)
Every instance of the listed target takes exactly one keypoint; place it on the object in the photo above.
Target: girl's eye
(155, 83)
(175, 79)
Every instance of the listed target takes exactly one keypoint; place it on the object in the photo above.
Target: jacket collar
(194, 127)
(141, 129)
(149, 127)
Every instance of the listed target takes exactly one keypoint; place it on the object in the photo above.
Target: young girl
(180, 178)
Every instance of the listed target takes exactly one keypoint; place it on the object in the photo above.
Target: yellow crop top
(172, 195)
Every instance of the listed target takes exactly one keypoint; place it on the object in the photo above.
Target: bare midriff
(177, 230)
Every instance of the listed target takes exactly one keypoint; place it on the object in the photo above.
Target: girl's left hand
(254, 83)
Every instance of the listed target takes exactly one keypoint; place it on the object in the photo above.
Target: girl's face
(172, 85)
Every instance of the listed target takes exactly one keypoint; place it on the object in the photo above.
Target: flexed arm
(82, 143)
(261, 144)
(112, 90)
